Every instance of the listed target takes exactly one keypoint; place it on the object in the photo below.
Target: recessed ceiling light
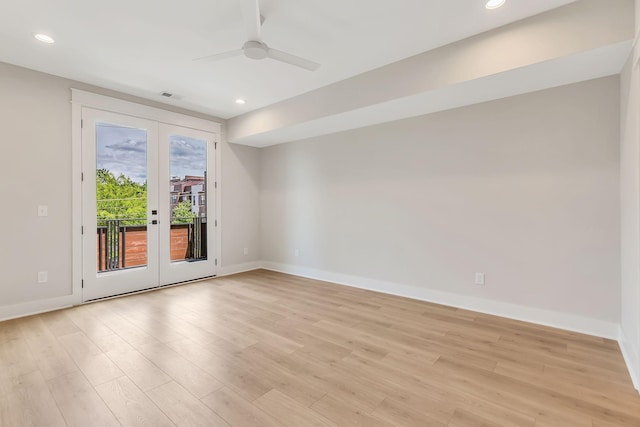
(44, 38)
(494, 4)
(240, 101)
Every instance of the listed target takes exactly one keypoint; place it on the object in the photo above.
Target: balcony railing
(122, 243)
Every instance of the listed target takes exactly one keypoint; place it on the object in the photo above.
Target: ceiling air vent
(166, 94)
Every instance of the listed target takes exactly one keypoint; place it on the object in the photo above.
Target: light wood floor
(266, 349)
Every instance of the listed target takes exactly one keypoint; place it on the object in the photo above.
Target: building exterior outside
(193, 189)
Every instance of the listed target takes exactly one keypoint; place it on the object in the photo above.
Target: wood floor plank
(139, 369)
(16, 359)
(17, 408)
(181, 370)
(93, 363)
(342, 384)
(130, 405)
(531, 398)
(345, 415)
(224, 369)
(10, 330)
(50, 356)
(353, 340)
(400, 415)
(183, 408)
(597, 396)
(237, 411)
(289, 412)
(588, 380)
(79, 402)
(466, 419)
(163, 332)
(59, 323)
(130, 332)
(296, 387)
(112, 342)
(218, 329)
(471, 410)
(91, 325)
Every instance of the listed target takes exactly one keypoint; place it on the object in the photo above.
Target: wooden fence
(132, 245)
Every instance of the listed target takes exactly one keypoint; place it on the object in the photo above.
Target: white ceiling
(143, 47)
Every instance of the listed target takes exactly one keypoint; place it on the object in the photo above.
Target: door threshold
(186, 282)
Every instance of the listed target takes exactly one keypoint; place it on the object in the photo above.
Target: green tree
(120, 198)
(182, 213)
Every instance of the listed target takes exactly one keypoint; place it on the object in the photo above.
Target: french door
(148, 204)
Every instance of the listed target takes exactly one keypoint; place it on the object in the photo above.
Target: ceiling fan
(254, 47)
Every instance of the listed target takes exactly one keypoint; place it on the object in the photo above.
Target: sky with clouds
(123, 150)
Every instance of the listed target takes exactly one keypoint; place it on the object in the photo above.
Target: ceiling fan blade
(219, 56)
(288, 58)
(252, 20)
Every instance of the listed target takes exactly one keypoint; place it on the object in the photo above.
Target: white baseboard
(35, 307)
(539, 316)
(238, 268)
(631, 358)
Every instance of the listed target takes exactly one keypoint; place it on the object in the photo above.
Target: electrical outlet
(480, 279)
(246, 251)
(296, 252)
(43, 277)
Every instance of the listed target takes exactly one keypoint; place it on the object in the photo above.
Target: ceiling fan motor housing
(255, 50)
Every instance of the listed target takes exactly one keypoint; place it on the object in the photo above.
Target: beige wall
(35, 168)
(523, 189)
(630, 210)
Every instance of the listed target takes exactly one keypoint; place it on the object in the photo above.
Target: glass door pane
(121, 197)
(188, 198)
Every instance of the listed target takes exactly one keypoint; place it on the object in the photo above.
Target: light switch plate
(43, 210)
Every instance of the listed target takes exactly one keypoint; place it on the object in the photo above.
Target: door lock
(154, 212)
(154, 222)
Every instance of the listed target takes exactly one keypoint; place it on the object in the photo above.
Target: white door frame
(79, 99)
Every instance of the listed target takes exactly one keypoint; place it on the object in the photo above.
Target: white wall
(630, 210)
(240, 207)
(35, 168)
(524, 189)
